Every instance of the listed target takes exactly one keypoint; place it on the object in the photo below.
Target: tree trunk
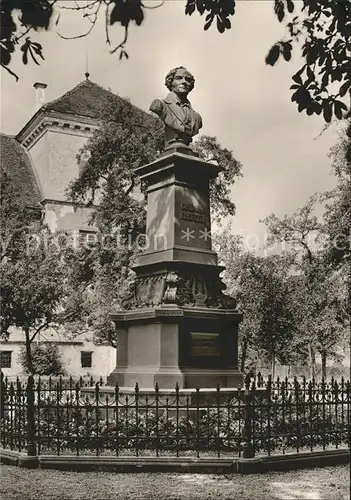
(312, 361)
(29, 353)
(243, 355)
(324, 364)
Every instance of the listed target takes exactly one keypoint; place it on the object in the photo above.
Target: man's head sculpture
(179, 73)
(181, 121)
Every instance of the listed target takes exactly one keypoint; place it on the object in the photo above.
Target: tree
(36, 289)
(320, 29)
(32, 288)
(129, 138)
(322, 294)
(15, 217)
(46, 360)
(265, 290)
(337, 214)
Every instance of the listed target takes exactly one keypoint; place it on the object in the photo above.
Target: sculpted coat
(181, 121)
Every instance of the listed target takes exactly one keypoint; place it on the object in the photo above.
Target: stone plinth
(194, 347)
(178, 326)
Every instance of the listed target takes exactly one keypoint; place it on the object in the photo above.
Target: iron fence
(63, 417)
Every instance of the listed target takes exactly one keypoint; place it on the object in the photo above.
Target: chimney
(40, 95)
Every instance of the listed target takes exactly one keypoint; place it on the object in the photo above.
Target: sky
(243, 102)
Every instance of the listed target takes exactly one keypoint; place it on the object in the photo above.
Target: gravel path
(329, 483)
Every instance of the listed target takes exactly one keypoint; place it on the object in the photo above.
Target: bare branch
(11, 72)
(79, 36)
(44, 325)
(17, 38)
(121, 45)
(153, 6)
(108, 41)
(94, 16)
(81, 7)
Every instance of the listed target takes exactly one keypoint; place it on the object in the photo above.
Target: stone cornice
(59, 122)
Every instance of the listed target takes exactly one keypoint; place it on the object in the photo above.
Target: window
(86, 358)
(87, 238)
(5, 359)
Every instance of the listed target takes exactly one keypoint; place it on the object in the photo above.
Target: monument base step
(168, 378)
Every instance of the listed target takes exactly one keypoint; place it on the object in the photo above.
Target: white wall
(103, 358)
(54, 160)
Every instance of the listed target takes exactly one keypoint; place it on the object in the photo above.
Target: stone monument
(177, 325)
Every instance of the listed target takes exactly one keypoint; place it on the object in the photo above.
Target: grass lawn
(329, 483)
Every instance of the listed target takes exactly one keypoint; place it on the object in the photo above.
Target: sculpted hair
(170, 76)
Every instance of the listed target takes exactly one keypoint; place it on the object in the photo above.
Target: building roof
(16, 163)
(86, 99)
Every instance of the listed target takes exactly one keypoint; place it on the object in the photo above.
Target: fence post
(31, 447)
(248, 448)
(31, 460)
(2, 396)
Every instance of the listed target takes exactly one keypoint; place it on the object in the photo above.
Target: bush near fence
(264, 418)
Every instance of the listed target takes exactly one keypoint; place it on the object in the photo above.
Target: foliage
(209, 149)
(31, 15)
(265, 289)
(36, 289)
(128, 138)
(46, 360)
(32, 289)
(322, 292)
(337, 215)
(15, 217)
(324, 28)
(320, 29)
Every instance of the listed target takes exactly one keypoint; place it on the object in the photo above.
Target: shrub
(46, 360)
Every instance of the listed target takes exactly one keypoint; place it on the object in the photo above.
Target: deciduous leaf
(201, 6)
(344, 88)
(220, 25)
(227, 23)
(208, 23)
(190, 7)
(287, 47)
(5, 56)
(273, 55)
(290, 6)
(297, 77)
(327, 111)
(279, 9)
(339, 106)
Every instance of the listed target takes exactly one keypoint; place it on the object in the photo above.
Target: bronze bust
(181, 121)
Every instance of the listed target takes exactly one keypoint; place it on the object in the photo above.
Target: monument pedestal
(194, 347)
(177, 325)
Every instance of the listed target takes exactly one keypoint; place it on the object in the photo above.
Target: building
(79, 356)
(41, 162)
